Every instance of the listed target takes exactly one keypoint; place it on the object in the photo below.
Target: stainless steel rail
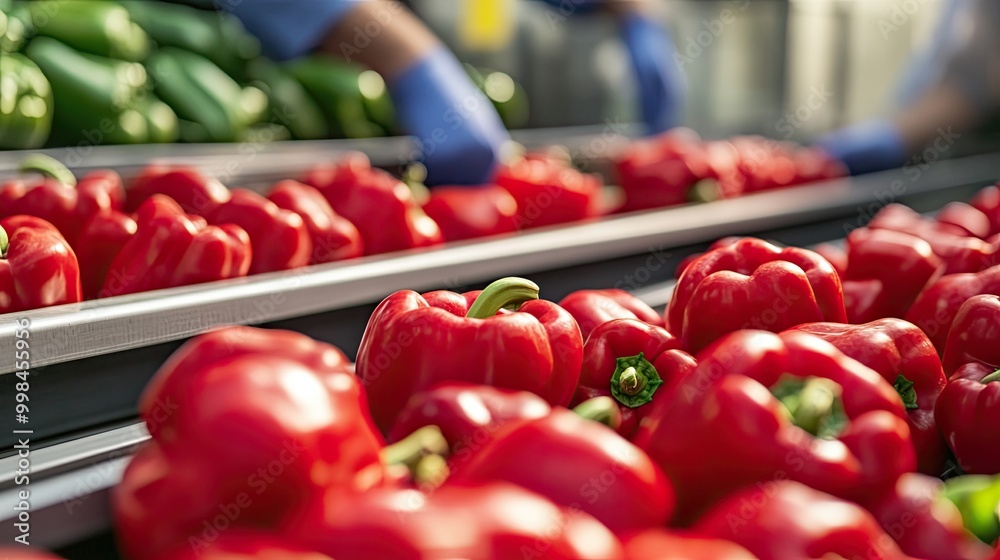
(71, 332)
(67, 486)
(259, 162)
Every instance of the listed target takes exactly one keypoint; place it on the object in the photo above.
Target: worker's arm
(963, 93)
(459, 131)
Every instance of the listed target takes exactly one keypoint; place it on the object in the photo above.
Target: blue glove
(866, 147)
(288, 29)
(459, 133)
(661, 84)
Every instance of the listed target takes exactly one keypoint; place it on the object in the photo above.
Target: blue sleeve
(288, 29)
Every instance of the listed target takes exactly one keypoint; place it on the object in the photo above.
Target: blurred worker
(651, 51)
(952, 88)
(459, 132)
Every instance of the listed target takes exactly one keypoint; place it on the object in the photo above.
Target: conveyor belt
(70, 480)
(91, 360)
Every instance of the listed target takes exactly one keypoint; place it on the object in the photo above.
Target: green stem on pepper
(992, 378)
(634, 381)
(904, 387)
(48, 166)
(505, 293)
(813, 403)
(4, 242)
(600, 409)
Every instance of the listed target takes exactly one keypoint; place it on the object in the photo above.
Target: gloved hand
(661, 83)
(460, 134)
(866, 147)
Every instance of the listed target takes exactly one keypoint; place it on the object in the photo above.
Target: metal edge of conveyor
(60, 491)
(249, 161)
(71, 332)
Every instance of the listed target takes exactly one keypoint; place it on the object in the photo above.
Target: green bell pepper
(161, 121)
(15, 26)
(200, 92)
(336, 88)
(291, 106)
(25, 103)
(94, 97)
(219, 37)
(101, 28)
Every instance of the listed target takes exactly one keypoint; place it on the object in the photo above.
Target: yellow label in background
(486, 25)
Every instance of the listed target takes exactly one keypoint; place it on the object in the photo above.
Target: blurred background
(788, 69)
(747, 63)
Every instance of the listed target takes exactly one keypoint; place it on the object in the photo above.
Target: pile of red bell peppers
(174, 226)
(678, 167)
(787, 404)
(752, 419)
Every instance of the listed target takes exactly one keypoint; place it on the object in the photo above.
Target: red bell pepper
(675, 168)
(577, 463)
(247, 425)
(279, 238)
(686, 261)
(379, 205)
(936, 307)
(970, 219)
(659, 171)
(923, 522)
(903, 265)
(828, 421)
(244, 545)
(752, 284)
(987, 201)
(629, 360)
(193, 191)
(497, 521)
(334, 237)
(974, 334)
(550, 191)
(472, 212)
(414, 341)
(591, 308)
(959, 251)
(903, 355)
(836, 256)
(99, 242)
(663, 544)
(783, 520)
(67, 207)
(468, 415)
(172, 249)
(37, 267)
(967, 413)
